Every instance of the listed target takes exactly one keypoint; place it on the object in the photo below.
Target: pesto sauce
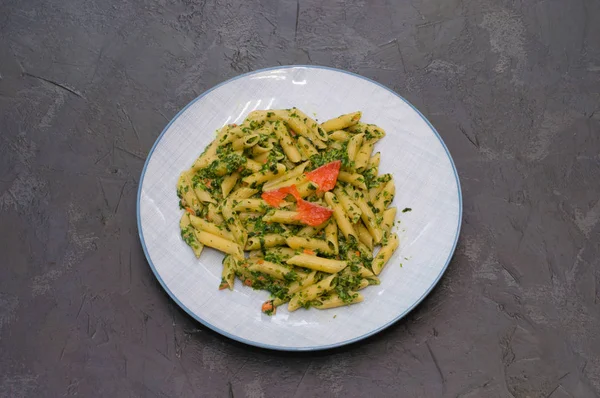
(322, 158)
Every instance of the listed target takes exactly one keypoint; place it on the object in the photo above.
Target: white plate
(412, 151)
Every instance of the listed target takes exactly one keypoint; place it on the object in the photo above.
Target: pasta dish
(298, 208)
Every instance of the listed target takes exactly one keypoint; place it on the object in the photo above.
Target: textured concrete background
(513, 88)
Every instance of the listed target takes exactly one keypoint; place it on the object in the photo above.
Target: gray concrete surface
(513, 87)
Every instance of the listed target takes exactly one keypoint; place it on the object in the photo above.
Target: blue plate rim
(311, 348)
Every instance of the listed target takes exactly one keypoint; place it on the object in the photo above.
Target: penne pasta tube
(266, 267)
(354, 144)
(292, 119)
(228, 273)
(310, 244)
(334, 301)
(363, 155)
(312, 126)
(214, 215)
(373, 164)
(317, 263)
(371, 131)
(262, 176)
(188, 235)
(351, 208)
(186, 193)
(221, 244)
(311, 292)
(233, 223)
(258, 116)
(202, 225)
(339, 135)
(243, 193)
(287, 144)
(228, 183)
(306, 148)
(340, 216)
(364, 236)
(246, 141)
(389, 215)
(302, 283)
(202, 194)
(341, 122)
(283, 217)
(269, 240)
(309, 231)
(367, 214)
(385, 197)
(331, 236)
(283, 253)
(253, 165)
(250, 205)
(352, 178)
(262, 148)
(380, 184)
(384, 254)
(289, 175)
(370, 221)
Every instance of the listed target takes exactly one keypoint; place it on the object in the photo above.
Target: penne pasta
(295, 286)
(202, 225)
(282, 179)
(306, 148)
(351, 208)
(286, 142)
(385, 197)
(384, 254)
(311, 292)
(188, 235)
(353, 178)
(363, 155)
(228, 273)
(228, 183)
(247, 141)
(331, 236)
(266, 267)
(334, 301)
(311, 244)
(369, 219)
(243, 193)
(340, 216)
(317, 263)
(270, 240)
(373, 164)
(354, 144)
(233, 223)
(250, 205)
(259, 177)
(364, 236)
(309, 231)
(214, 214)
(283, 217)
(339, 135)
(282, 253)
(187, 195)
(341, 122)
(221, 244)
(389, 215)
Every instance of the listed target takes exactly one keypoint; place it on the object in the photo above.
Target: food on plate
(298, 208)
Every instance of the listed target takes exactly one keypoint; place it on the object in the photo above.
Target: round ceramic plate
(426, 182)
